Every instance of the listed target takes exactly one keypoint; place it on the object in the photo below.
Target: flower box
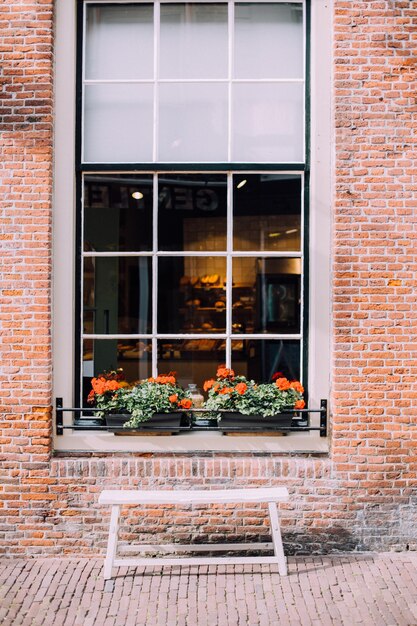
(158, 424)
(254, 424)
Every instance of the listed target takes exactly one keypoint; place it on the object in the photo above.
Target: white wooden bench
(118, 498)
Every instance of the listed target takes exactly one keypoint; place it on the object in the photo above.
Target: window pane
(193, 122)
(192, 212)
(268, 41)
(260, 359)
(193, 360)
(193, 41)
(118, 123)
(266, 295)
(191, 295)
(268, 122)
(118, 291)
(99, 355)
(267, 212)
(119, 42)
(118, 213)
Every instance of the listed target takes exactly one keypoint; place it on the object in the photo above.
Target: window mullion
(231, 19)
(229, 243)
(154, 275)
(157, 20)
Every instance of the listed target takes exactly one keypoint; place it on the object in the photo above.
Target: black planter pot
(256, 423)
(158, 424)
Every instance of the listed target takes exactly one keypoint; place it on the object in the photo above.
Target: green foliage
(237, 394)
(141, 401)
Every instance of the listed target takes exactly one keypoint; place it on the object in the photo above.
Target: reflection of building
(136, 241)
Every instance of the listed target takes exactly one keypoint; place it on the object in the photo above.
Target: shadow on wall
(331, 540)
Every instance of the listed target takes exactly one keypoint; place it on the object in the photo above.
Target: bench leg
(277, 539)
(112, 542)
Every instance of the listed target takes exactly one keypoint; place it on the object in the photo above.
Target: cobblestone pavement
(369, 589)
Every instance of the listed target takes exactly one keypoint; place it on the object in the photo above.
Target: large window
(193, 186)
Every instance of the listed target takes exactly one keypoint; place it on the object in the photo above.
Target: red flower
(283, 384)
(295, 384)
(241, 388)
(185, 403)
(226, 390)
(224, 372)
(276, 376)
(208, 384)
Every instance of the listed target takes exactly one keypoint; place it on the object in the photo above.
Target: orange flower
(283, 384)
(216, 387)
(241, 388)
(208, 384)
(226, 390)
(295, 384)
(112, 385)
(91, 397)
(224, 372)
(185, 403)
(101, 385)
(165, 380)
(151, 380)
(173, 398)
(300, 404)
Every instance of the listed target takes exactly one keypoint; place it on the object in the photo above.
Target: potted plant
(245, 404)
(148, 405)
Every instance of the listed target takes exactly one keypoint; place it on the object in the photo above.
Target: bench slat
(205, 496)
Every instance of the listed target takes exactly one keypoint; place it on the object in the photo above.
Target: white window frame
(321, 184)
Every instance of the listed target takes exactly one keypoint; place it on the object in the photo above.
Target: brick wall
(362, 495)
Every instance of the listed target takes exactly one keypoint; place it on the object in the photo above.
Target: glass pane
(266, 295)
(268, 41)
(191, 295)
(192, 212)
(118, 291)
(118, 123)
(119, 42)
(267, 212)
(132, 356)
(268, 122)
(260, 359)
(193, 41)
(193, 360)
(193, 122)
(118, 212)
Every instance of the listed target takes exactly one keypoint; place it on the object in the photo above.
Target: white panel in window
(193, 122)
(268, 122)
(119, 42)
(268, 41)
(193, 41)
(118, 123)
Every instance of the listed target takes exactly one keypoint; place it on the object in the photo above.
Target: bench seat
(268, 495)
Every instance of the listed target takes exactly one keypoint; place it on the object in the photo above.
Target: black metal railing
(85, 419)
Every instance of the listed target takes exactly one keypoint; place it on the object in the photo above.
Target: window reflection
(117, 295)
(267, 212)
(191, 295)
(260, 359)
(118, 213)
(193, 360)
(266, 295)
(133, 356)
(192, 212)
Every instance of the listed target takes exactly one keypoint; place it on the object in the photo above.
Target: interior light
(241, 184)
(274, 235)
(137, 195)
(290, 232)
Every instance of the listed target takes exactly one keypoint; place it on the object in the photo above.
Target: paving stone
(346, 590)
